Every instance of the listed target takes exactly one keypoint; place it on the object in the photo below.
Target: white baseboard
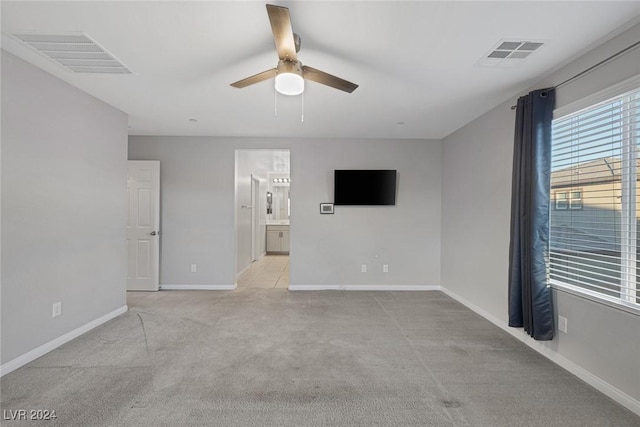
(364, 287)
(202, 287)
(577, 370)
(53, 344)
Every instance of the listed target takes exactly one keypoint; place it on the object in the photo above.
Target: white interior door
(143, 227)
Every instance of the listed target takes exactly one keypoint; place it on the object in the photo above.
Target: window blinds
(594, 209)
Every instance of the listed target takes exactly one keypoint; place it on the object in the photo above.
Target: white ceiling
(416, 62)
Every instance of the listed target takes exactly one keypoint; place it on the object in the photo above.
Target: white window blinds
(594, 209)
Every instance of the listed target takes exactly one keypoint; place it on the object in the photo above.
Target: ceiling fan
(290, 73)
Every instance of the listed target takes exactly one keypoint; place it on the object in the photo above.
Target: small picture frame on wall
(326, 208)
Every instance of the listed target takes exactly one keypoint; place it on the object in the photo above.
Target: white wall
(64, 170)
(602, 344)
(197, 180)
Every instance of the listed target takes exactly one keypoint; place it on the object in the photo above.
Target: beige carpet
(269, 357)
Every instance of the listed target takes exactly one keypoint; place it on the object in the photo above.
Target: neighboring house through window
(568, 199)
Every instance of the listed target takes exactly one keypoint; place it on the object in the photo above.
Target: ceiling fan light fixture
(289, 84)
(289, 80)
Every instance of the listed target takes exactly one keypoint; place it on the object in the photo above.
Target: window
(595, 185)
(568, 199)
(575, 199)
(562, 201)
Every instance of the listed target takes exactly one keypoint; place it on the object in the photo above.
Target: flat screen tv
(364, 187)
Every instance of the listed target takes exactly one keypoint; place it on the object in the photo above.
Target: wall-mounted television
(364, 187)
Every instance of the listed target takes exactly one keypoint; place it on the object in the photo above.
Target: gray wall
(198, 212)
(64, 169)
(329, 249)
(475, 229)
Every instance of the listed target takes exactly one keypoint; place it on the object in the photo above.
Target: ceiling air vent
(75, 52)
(509, 53)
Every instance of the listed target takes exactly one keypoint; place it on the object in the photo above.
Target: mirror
(278, 197)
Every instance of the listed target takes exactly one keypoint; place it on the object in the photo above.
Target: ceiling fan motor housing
(286, 66)
(297, 41)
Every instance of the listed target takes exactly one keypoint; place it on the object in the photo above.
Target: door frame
(255, 218)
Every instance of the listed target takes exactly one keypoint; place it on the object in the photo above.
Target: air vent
(509, 53)
(75, 52)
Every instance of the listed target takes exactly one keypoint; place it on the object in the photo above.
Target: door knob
(153, 233)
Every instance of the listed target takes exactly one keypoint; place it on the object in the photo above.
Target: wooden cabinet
(278, 239)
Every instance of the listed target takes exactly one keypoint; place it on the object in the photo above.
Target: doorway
(262, 179)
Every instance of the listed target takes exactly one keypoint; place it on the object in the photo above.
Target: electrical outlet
(562, 324)
(56, 310)
(385, 268)
(194, 268)
(364, 268)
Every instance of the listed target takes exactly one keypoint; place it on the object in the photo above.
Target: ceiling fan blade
(327, 79)
(269, 74)
(282, 32)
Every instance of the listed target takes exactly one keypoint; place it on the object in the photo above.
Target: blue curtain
(530, 305)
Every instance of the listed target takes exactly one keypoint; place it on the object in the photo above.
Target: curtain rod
(593, 67)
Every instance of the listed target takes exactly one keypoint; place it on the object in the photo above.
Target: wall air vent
(75, 52)
(509, 53)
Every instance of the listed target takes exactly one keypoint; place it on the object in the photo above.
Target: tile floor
(270, 271)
